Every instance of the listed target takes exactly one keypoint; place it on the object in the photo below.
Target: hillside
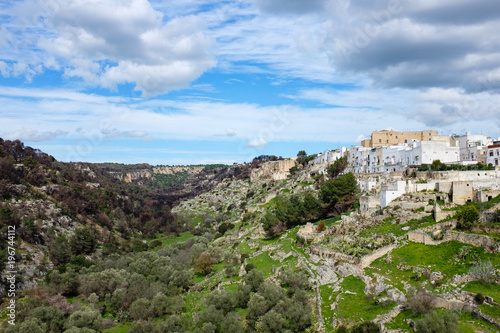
(249, 248)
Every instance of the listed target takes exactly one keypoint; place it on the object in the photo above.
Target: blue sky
(199, 81)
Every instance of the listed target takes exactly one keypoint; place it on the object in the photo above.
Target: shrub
(479, 298)
(466, 217)
(154, 244)
(422, 301)
(437, 323)
(321, 226)
(483, 271)
(366, 327)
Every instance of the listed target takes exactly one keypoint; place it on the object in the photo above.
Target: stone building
(389, 138)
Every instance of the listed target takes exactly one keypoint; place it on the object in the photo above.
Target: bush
(154, 244)
(366, 327)
(321, 226)
(479, 298)
(483, 271)
(466, 217)
(422, 301)
(437, 323)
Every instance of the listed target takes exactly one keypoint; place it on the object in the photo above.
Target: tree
(336, 189)
(257, 307)
(59, 251)
(231, 323)
(204, 263)
(254, 279)
(85, 317)
(311, 206)
(335, 169)
(139, 310)
(83, 241)
(466, 217)
(271, 322)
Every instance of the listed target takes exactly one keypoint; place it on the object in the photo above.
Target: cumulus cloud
(108, 43)
(31, 135)
(419, 44)
(256, 143)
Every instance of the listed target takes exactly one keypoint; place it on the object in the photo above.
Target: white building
(330, 155)
(493, 154)
(399, 157)
(473, 147)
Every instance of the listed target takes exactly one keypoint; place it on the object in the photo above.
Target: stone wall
(421, 236)
(369, 258)
(489, 244)
(363, 262)
(331, 254)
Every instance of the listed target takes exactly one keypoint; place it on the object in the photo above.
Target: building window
(380, 141)
(491, 153)
(387, 141)
(396, 136)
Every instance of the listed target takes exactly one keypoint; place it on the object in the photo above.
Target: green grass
(469, 324)
(438, 257)
(244, 247)
(356, 307)
(491, 310)
(388, 227)
(195, 301)
(233, 287)
(264, 263)
(327, 298)
(169, 240)
(119, 328)
(399, 322)
(492, 290)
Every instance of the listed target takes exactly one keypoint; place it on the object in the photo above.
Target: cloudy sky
(202, 81)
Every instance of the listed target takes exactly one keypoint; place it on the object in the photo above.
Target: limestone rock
(396, 295)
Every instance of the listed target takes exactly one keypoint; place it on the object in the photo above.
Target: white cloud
(257, 143)
(107, 43)
(28, 134)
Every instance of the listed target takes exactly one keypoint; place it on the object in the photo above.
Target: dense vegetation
(438, 166)
(335, 195)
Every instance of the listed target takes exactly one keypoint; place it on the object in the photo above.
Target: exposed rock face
(128, 177)
(276, 170)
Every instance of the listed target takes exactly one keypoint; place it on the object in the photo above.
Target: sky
(201, 81)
